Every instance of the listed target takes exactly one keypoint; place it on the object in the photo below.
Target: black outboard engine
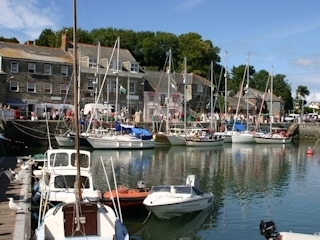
(269, 230)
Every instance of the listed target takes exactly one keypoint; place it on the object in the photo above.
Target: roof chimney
(30, 42)
(64, 41)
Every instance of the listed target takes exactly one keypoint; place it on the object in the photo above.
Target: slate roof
(254, 93)
(34, 53)
(105, 52)
(158, 80)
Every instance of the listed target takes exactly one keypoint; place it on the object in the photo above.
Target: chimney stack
(64, 41)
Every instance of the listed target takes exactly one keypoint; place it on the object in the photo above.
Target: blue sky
(282, 34)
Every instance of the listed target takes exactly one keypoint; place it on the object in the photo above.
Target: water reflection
(250, 183)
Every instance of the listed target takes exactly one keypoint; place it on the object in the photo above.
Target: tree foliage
(13, 39)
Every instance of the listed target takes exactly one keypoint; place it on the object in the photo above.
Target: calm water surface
(250, 183)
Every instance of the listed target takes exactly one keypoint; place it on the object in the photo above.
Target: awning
(16, 102)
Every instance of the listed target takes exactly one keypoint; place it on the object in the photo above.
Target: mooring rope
(18, 126)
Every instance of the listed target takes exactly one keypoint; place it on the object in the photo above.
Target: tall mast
(271, 101)
(168, 94)
(247, 93)
(117, 79)
(184, 94)
(226, 87)
(211, 99)
(75, 92)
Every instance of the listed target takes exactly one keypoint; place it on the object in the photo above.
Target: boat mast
(184, 94)
(168, 94)
(117, 79)
(211, 95)
(75, 99)
(226, 88)
(271, 100)
(247, 93)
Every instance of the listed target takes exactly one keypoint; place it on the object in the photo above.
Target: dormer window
(92, 62)
(134, 67)
(113, 65)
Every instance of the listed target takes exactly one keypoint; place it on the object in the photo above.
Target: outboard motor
(192, 180)
(269, 230)
(141, 186)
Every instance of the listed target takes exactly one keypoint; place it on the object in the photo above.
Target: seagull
(10, 174)
(13, 206)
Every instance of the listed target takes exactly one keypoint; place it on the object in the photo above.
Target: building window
(132, 87)
(14, 86)
(134, 67)
(31, 87)
(90, 84)
(64, 71)
(63, 88)
(113, 65)
(47, 69)
(162, 99)
(31, 68)
(92, 62)
(151, 98)
(14, 67)
(199, 88)
(48, 88)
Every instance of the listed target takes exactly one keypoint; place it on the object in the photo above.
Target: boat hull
(161, 139)
(243, 138)
(115, 143)
(64, 141)
(177, 140)
(167, 211)
(273, 140)
(204, 143)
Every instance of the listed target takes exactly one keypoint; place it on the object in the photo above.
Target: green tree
(300, 100)
(13, 39)
(237, 78)
(47, 38)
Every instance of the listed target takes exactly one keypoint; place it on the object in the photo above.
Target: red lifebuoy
(310, 151)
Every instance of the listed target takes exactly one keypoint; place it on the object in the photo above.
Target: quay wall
(27, 133)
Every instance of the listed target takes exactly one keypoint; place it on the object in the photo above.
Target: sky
(284, 35)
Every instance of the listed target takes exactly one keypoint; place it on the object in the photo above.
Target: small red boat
(128, 197)
(310, 151)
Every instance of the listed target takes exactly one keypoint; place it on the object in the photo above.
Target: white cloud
(303, 62)
(313, 97)
(25, 20)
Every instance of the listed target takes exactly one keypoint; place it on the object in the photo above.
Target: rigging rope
(18, 126)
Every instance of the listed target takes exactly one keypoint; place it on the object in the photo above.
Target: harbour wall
(27, 133)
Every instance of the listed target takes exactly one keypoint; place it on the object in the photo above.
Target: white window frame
(63, 88)
(92, 62)
(47, 88)
(32, 68)
(199, 88)
(90, 84)
(64, 71)
(14, 86)
(132, 87)
(47, 70)
(14, 67)
(31, 87)
(113, 65)
(134, 67)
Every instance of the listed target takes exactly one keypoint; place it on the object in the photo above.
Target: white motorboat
(167, 201)
(243, 137)
(204, 141)
(124, 137)
(269, 230)
(59, 175)
(273, 138)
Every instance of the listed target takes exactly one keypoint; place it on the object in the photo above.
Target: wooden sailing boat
(205, 137)
(79, 219)
(273, 137)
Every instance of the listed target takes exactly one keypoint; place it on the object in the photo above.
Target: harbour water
(250, 183)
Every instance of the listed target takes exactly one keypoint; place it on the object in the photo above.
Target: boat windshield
(172, 189)
(67, 181)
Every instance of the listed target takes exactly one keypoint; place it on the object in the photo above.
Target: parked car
(292, 117)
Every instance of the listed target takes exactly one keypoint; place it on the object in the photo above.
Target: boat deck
(14, 226)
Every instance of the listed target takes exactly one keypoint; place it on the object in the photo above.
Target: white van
(292, 117)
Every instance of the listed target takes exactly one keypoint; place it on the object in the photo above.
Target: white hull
(227, 136)
(298, 236)
(120, 143)
(243, 138)
(64, 141)
(205, 143)
(271, 140)
(98, 222)
(178, 208)
(176, 140)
